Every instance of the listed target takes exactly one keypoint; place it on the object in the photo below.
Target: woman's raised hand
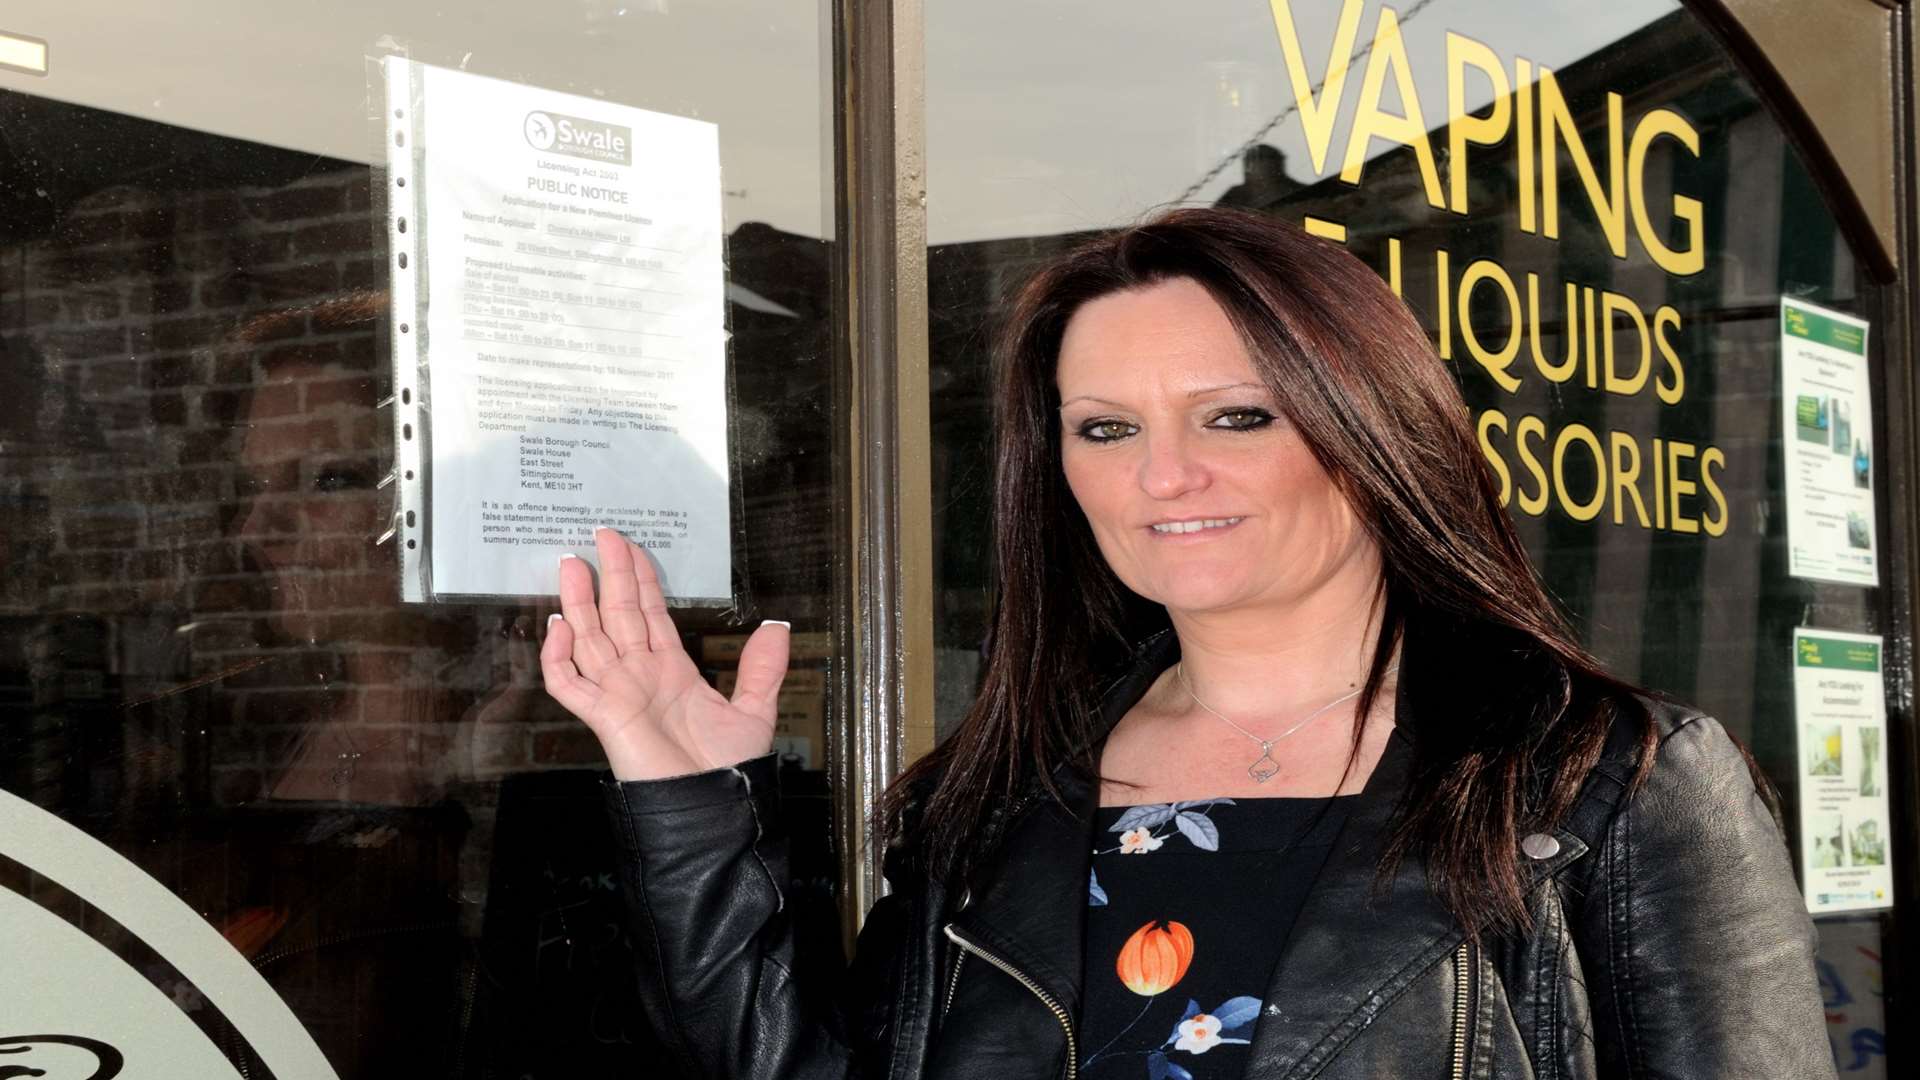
(619, 666)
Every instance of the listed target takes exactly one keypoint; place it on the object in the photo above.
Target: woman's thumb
(763, 664)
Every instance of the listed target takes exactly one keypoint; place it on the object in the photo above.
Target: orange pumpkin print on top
(1155, 957)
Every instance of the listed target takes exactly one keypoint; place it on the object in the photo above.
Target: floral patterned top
(1190, 904)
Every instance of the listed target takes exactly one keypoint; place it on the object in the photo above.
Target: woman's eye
(1105, 430)
(1243, 419)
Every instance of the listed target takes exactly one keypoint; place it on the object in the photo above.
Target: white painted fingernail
(551, 619)
(778, 622)
(564, 556)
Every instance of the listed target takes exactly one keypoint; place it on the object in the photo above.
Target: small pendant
(1264, 768)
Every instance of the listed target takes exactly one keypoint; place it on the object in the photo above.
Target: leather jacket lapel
(1029, 908)
(1027, 902)
(1357, 940)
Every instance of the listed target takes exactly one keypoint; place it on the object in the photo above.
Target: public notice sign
(1840, 715)
(1827, 438)
(559, 339)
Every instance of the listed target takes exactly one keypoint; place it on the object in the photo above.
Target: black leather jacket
(1669, 940)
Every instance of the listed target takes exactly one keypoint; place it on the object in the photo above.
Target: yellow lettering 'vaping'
(1692, 258)
(1370, 122)
(1317, 115)
(1462, 126)
(1609, 204)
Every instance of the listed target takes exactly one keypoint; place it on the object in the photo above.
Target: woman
(1358, 804)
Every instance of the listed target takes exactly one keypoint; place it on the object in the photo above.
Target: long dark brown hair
(1508, 712)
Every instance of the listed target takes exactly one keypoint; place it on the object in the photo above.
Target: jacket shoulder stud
(1540, 846)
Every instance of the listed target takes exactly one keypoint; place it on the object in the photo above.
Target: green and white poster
(1826, 435)
(1840, 715)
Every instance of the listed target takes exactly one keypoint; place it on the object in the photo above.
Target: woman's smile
(1193, 528)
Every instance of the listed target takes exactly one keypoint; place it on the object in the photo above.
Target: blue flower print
(1143, 829)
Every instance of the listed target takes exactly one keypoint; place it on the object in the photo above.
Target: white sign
(1827, 436)
(1840, 717)
(559, 335)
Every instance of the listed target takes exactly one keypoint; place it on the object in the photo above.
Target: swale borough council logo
(540, 129)
(575, 136)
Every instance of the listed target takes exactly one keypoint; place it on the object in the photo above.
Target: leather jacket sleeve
(704, 865)
(1698, 936)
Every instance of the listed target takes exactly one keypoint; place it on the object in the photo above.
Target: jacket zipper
(953, 983)
(1462, 1003)
(1060, 1014)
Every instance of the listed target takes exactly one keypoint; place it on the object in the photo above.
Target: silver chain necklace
(1264, 767)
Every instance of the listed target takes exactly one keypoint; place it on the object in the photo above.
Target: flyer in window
(559, 335)
(1840, 718)
(1827, 437)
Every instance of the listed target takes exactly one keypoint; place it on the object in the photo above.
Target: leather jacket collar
(1027, 901)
